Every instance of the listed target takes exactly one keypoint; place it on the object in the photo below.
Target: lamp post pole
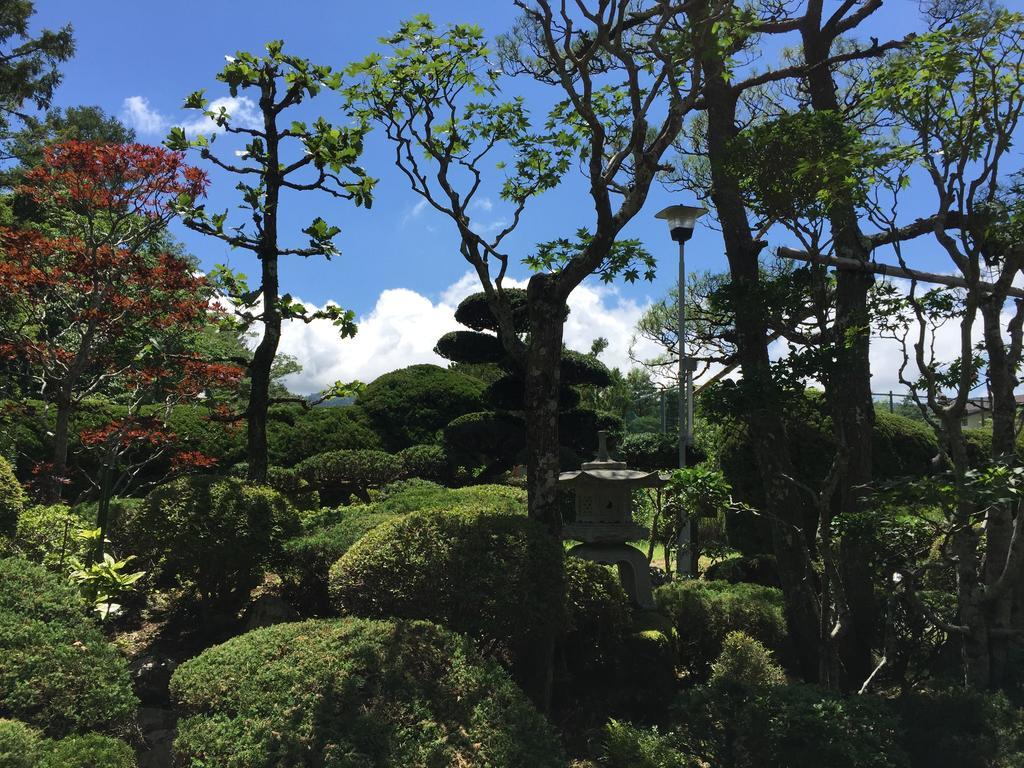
(681, 221)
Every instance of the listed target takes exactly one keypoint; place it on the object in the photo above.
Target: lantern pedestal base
(634, 572)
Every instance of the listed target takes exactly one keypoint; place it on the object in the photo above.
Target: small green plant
(104, 581)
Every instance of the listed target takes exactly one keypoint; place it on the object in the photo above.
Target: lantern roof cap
(633, 477)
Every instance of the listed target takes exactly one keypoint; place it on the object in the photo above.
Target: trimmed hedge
(705, 612)
(336, 474)
(57, 672)
(92, 750)
(474, 311)
(216, 535)
(495, 576)
(19, 745)
(45, 533)
(470, 347)
(295, 433)
(12, 499)
(649, 450)
(429, 462)
(412, 405)
(355, 692)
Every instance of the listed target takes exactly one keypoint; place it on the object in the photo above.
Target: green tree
(439, 96)
(324, 159)
(28, 65)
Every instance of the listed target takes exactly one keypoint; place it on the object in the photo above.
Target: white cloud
(415, 211)
(243, 110)
(138, 114)
(404, 326)
(483, 204)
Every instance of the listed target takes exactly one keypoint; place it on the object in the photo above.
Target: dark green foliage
(337, 474)
(745, 663)
(295, 433)
(598, 622)
(57, 672)
(474, 311)
(470, 347)
(384, 694)
(705, 612)
(961, 729)
(623, 745)
(494, 438)
(289, 483)
(19, 745)
(198, 431)
(495, 576)
(412, 405)
(429, 462)
(901, 446)
(509, 393)
(979, 446)
(309, 557)
(756, 569)
(89, 751)
(216, 535)
(649, 450)
(12, 499)
(46, 534)
(578, 369)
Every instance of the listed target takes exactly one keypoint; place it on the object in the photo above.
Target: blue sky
(141, 59)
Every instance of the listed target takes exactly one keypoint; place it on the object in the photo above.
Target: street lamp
(681, 221)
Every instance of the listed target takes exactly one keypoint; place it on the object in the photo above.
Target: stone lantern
(604, 519)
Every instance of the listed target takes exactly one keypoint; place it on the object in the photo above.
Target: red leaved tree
(93, 298)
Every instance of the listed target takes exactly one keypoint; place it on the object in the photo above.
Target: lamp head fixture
(681, 220)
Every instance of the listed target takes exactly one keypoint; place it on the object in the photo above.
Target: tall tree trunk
(59, 456)
(848, 385)
(543, 373)
(763, 414)
(263, 357)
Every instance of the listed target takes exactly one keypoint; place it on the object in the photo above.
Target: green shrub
(12, 499)
(745, 663)
(624, 745)
(429, 462)
(46, 533)
(705, 612)
(57, 672)
(649, 450)
(289, 483)
(19, 745)
(309, 557)
(216, 535)
(755, 569)
(295, 433)
(598, 619)
(411, 495)
(470, 347)
(383, 694)
(92, 750)
(494, 576)
(337, 474)
(495, 438)
(412, 405)
(961, 729)
(196, 431)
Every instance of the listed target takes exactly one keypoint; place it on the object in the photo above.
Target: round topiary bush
(92, 750)
(412, 405)
(649, 450)
(309, 557)
(46, 533)
(355, 692)
(295, 433)
(495, 576)
(57, 672)
(336, 474)
(216, 535)
(19, 745)
(705, 612)
(12, 499)
(428, 462)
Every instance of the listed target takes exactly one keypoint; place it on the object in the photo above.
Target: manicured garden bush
(598, 619)
(470, 347)
(309, 557)
(46, 533)
(336, 474)
(429, 462)
(705, 612)
(412, 405)
(961, 729)
(57, 672)
(756, 569)
(12, 499)
(19, 745)
(92, 750)
(745, 663)
(289, 483)
(295, 433)
(214, 535)
(495, 576)
(649, 450)
(355, 692)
